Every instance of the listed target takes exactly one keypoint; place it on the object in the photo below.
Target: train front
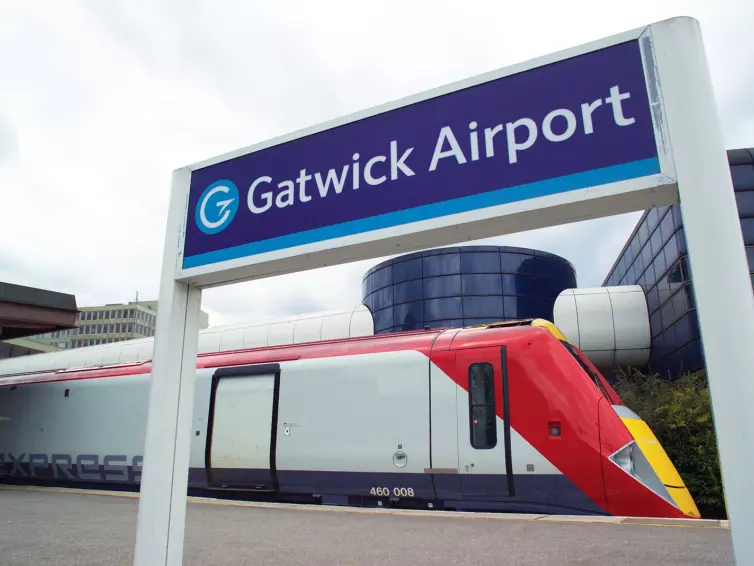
(640, 479)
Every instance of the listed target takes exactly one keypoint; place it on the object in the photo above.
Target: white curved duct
(609, 324)
(310, 328)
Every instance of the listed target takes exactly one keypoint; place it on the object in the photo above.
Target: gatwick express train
(507, 417)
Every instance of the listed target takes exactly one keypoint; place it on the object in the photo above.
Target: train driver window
(482, 423)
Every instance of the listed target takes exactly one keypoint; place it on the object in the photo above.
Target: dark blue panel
(487, 284)
(639, 264)
(643, 232)
(646, 254)
(446, 286)
(632, 248)
(671, 250)
(680, 237)
(365, 287)
(383, 298)
(747, 228)
(649, 275)
(693, 357)
(667, 228)
(668, 314)
(550, 289)
(441, 264)
(441, 251)
(383, 320)
(642, 282)
(742, 176)
(480, 262)
(407, 270)
(408, 291)
(475, 249)
(483, 307)
(381, 278)
(679, 303)
(440, 309)
(689, 290)
(369, 302)
(511, 263)
(560, 271)
(653, 219)
(517, 250)
(677, 218)
(745, 202)
(621, 269)
(656, 241)
(683, 329)
(671, 341)
(527, 307)
(655, 323)
(686, 273)
(631, 275)
(539, 266)
(660, 265)
(693, 321)
(409, 316)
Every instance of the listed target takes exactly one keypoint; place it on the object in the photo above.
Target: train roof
(421, 340)
(309, 328)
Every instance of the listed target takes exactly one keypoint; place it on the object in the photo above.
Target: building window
(483, 423)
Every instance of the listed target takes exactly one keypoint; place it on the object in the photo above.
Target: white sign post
(622, 124)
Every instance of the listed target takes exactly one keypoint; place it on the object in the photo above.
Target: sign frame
(694, 171)
(653, 190)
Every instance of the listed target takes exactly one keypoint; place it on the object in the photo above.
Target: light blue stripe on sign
(633, 170)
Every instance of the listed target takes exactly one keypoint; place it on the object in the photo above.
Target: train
(507, 417)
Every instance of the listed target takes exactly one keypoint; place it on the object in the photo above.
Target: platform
(62, 527)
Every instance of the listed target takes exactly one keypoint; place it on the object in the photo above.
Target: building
(25, 311)
(655, 257)
(463, 286)
(109, 323)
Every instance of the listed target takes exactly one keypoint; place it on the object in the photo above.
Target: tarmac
(54, 526)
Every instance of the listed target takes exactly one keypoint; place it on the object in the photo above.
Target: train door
(242, 422)
(484, 454)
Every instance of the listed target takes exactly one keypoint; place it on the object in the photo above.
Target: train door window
(482, 406)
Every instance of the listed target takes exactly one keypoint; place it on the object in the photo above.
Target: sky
(101, 101)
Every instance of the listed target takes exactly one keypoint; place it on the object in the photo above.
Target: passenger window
(483, 423)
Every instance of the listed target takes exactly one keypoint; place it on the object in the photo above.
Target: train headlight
(632, 460)
(624, 458)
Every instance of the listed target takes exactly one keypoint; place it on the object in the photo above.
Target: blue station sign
(580, 122)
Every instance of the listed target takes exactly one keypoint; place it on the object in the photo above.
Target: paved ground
(57, 528)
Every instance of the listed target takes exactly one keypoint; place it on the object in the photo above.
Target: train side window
(482, 423)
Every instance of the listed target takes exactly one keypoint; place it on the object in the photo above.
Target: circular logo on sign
(217, 207)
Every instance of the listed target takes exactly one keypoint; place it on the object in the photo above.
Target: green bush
(679, 413)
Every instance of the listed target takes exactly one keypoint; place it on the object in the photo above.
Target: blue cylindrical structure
(462, 286)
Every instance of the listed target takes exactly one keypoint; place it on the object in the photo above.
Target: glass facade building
(656, 258)
(462, 286)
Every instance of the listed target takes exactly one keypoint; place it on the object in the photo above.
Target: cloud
(103, 100)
